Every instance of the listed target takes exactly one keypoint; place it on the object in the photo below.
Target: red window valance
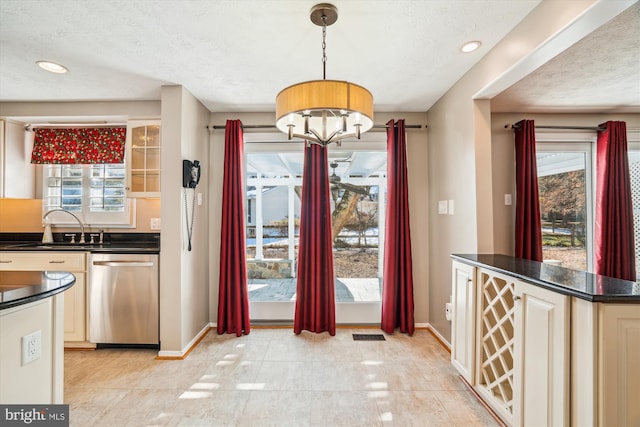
(79, 146)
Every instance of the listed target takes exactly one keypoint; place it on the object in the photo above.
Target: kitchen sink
(59, 246)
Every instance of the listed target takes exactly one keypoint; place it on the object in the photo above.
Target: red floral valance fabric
(79, 146)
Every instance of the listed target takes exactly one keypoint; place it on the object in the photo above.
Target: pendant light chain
(324, 111)
(324, 47)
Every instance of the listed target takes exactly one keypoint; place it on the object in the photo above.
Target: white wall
(184, 287)
(463, 164)
(127, 109)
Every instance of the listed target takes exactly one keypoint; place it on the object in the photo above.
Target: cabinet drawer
(42, 261)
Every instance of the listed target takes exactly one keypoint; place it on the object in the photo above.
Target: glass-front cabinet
(143, 162)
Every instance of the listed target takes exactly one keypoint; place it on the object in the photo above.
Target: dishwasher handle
(124, 263)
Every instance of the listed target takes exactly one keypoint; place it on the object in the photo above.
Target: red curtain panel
(397, 285)
(78, 146)
(233, 294)
(528, 222)
(614, 240)
(315, 294)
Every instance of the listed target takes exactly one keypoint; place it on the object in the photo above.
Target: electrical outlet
(31, 347)
(447, 311)
(155, 224)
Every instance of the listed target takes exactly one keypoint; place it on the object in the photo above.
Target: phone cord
(186, 213)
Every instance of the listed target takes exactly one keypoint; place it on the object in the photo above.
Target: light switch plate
(442, 207)
(507, 199)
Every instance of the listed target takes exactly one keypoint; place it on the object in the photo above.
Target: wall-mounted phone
(190, 178)
(190, 173)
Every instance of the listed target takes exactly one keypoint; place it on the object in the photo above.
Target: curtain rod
(594, 128)
(31, 127)
(214, 127)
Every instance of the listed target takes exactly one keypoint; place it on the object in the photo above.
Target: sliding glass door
(358, 188)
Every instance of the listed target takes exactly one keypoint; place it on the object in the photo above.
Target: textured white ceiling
(599, 73)
(235, 55)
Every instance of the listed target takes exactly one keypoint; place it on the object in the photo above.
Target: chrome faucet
(73, 215)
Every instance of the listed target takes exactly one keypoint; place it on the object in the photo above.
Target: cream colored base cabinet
(75, 324)
(541, 357)
(75, 314)
(463, 319)
(605, 363)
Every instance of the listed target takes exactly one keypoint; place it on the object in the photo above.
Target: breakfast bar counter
(546, 345)
(32, 336)
(23, 287)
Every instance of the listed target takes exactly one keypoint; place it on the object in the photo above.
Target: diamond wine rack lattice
(496, 345)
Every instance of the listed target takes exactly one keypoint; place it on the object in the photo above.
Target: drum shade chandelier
(324, 111)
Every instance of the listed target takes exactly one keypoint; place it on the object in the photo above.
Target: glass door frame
(578, 142)
(361, 312)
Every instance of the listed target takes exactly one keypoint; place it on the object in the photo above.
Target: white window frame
(582, 143)
(123, 219)
(633, 144)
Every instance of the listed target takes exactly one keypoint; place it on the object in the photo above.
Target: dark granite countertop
(145, 243)
(23, 287)
(588, 286)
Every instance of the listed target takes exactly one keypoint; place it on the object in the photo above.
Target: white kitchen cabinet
(541, 357)
(75, 299)
(545, 357)
(463, 319)
(143, 158)
(17, 174)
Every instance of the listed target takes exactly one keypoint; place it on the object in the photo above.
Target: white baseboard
(189, 346)
(439, 336)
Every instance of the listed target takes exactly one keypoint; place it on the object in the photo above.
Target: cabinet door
(143, 158)
(463, 319)
(620, 365)
(75, 324)
(541, 352)
(75, 317)
(17, 174)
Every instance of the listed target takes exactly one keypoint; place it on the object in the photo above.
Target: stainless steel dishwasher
(123, 299)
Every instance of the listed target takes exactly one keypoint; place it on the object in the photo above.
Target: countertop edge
(556, 287)
(37, 297)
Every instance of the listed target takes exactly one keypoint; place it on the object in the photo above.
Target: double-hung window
(95, 193)
(84, 172)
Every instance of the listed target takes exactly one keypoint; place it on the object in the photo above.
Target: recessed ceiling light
(470, 46)
(52, 67)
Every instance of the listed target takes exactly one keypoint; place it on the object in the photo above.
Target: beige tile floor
(273, 377)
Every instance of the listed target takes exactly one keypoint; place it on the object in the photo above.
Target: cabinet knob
(517, 298)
